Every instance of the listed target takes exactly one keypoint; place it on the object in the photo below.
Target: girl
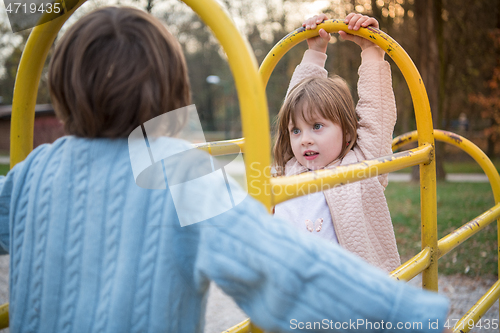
(318, 128)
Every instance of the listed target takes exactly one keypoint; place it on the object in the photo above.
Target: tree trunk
(428, 16)
(490, 148)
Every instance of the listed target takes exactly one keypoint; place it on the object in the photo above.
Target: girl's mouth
(310, 155)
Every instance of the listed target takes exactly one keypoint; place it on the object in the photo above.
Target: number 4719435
(33, 8)
(470, 324)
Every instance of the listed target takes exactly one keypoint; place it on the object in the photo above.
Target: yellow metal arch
(422, 114)
(26, 86)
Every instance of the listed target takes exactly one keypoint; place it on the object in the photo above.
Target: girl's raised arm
(376, 107)
(313, 62)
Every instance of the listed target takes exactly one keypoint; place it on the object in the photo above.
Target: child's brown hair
(328, 97)
(113, 70)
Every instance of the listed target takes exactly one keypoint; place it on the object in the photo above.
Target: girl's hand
(318, 43)
(354, 22)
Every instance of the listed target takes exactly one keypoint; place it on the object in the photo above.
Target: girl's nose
(306, 139)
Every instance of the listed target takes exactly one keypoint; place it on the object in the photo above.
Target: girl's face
(317, 143)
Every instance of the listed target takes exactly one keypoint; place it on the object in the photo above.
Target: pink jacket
(359, 210)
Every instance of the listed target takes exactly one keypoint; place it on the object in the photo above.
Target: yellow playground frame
(250, 83)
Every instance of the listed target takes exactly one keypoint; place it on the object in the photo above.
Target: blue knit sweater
(90, 251)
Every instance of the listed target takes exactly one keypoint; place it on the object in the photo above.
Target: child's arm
(313, 62)
(280, 277)
(376, 107)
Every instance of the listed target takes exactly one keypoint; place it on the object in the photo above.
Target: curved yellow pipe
(26, 86)
(389, 45)
(251, 95)
(413, 267)
(464, 144)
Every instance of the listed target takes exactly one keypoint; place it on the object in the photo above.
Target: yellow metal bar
(255, 329)
(414, 266)
(226, 147)
(285, 188)
(405, 139)
(243, 327)
(251, 95)
(4, 316)
(460, 235)
(467, 322)
(428, 208)
(26, 85)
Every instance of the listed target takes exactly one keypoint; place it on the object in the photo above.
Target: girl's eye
(295, 131)
(317, 126)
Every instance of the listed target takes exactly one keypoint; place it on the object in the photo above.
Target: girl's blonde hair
(329, 98)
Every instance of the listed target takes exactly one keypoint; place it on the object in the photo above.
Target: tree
(11, 63)
(430, 42)
(490, 102)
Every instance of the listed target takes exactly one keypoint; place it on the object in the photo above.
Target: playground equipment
(250, 85)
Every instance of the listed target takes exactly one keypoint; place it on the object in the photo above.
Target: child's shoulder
(45, 148)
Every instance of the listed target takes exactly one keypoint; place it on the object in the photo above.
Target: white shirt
(305, 213)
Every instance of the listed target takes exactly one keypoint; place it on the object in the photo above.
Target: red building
(47, 127)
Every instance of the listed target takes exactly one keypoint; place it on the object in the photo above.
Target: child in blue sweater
(91, 251)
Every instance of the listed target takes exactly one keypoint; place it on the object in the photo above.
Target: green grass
(4, 168)
(457, 204)
(467, 166)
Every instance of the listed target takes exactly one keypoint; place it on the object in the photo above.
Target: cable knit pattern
(147, 264)
(18, 233)
(35, 291)
(112, 242)
(359, 210)
(74, 234)
(115, 259)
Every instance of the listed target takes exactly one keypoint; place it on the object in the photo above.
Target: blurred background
(454, 44)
